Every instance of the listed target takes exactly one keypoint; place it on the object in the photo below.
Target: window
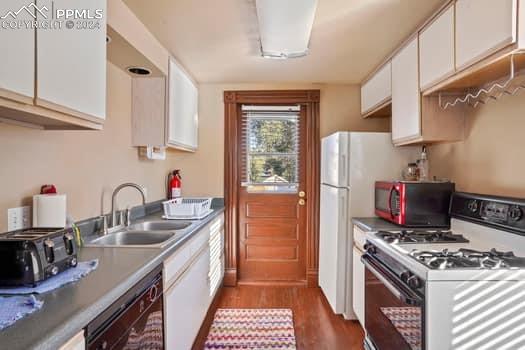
(270, 136)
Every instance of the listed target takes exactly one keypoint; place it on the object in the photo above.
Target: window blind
(270, 147)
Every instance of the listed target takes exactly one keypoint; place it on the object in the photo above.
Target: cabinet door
(483, 27)
(186, 304)
(377, 90)
(358, 286)
(71, 63)
(436, 49)
(406, 99)
(17, 63)
(183, 103)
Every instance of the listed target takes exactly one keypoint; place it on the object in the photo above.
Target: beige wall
(490, 160)
(82, 164)
(340, 110)
(88, 164)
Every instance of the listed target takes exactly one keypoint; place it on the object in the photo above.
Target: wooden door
(406, 100)
(272, 216)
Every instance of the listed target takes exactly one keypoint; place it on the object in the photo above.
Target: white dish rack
(187, 208)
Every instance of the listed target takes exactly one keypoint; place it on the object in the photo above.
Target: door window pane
(272, 151)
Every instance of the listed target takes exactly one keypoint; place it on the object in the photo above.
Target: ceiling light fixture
(285, 27)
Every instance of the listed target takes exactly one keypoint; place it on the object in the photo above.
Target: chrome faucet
(113, 202)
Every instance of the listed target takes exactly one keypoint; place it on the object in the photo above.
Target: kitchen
(89, 164)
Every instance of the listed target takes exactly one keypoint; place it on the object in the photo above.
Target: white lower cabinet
(358, 284)
(192, 276)
(187, 302)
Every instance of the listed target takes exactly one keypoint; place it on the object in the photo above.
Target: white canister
(49, 210)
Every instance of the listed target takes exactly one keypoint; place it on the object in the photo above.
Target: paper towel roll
(49, 210)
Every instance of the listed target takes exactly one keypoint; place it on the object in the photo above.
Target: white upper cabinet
(17, 63)
(483, 27)
(377, 90)
(71, 62)
(436, 49)
(406, 100)
(183, 104)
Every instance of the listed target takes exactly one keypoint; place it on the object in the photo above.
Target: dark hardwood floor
(316, 327)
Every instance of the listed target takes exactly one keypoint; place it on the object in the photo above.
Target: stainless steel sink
(134, 238)
(161, 225)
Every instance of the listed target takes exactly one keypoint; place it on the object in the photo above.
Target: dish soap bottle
(422, 165)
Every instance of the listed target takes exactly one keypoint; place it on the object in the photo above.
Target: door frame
(233, 100)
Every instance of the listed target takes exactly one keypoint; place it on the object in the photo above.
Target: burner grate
(468, 258)
(406, 236)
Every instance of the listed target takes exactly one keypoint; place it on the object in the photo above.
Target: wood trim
(48, 119)
(273, 283)
(381, 109)
(16, 97)
(232, 102)
(65, 110)
(489, 69)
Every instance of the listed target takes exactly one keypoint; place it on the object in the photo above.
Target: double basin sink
(147, 234)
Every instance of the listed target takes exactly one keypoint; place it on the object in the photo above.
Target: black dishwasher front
(134, 321)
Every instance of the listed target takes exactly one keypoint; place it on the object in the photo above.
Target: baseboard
(273, 283)
(312, 279)
(230, 278)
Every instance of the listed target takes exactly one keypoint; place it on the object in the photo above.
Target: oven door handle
(389, 285)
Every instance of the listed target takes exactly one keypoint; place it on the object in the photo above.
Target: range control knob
(49, 250)
(370, 248)
(405, 275)
(473, 205)
(414, 282)
(54, 270)
(515, 213)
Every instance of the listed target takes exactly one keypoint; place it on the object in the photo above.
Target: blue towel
(16, 307)
(70, 275)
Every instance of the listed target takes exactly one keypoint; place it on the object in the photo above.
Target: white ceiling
(217, 40)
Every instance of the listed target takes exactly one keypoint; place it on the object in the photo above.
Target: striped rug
(253, 329)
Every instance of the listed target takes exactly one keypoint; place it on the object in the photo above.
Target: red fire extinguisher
(175, 185)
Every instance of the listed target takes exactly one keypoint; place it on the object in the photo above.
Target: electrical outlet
(18, 218)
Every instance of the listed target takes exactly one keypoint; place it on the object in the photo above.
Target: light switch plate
(18, 218)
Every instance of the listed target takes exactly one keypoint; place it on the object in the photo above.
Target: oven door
(394, 315)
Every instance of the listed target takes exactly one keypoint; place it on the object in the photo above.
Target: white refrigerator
(351, 162)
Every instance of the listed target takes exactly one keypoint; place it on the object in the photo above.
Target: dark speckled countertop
(374, 224)
(69, 309)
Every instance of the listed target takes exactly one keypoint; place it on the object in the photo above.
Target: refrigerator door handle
(342, 205)
(343, 171)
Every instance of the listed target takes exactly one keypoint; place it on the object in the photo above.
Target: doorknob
(302, 194)
(302, 202)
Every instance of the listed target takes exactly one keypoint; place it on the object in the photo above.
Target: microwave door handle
(392, 189)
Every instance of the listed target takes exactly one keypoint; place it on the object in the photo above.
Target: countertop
(374, 224)
(69, 309)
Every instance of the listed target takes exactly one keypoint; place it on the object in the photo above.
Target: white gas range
(463, 289)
